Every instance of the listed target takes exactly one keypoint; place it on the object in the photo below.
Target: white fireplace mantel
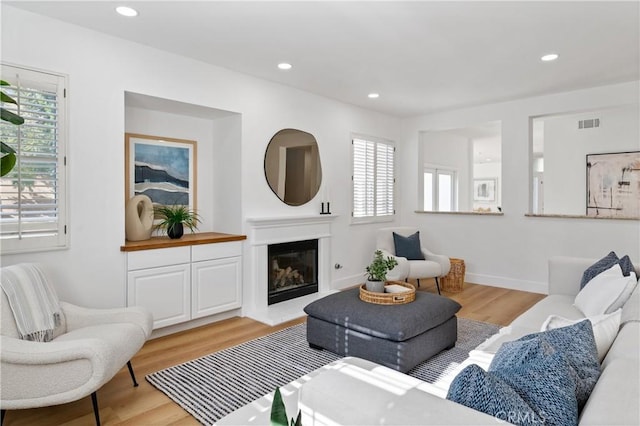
(273, 230)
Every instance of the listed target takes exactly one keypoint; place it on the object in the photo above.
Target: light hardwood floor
(122, 404)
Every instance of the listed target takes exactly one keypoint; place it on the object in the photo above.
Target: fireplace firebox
(293, 270)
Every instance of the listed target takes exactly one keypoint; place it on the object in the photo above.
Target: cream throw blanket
(33, 301)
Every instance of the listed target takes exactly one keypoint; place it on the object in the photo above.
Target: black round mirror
(292, 166)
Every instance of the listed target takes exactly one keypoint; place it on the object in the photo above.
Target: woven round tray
(389, 298)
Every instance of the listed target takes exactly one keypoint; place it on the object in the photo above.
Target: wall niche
(218, 135)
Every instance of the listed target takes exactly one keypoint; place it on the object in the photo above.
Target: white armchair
(433, 265)
(88, 348)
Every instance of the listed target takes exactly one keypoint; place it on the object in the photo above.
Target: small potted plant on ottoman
(377, 272)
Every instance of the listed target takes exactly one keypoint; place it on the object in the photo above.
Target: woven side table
(453, 282)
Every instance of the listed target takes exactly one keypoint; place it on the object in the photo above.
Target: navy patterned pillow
(600, 266)
(408, 247)
(544, 380)
(482, 391)
(576, 342)
(626, 265)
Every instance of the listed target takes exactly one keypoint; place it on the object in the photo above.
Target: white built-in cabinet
(178, 284)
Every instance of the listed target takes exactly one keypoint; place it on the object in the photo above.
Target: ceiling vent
(589, 124)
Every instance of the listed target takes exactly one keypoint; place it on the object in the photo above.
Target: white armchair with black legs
(414, 260)
(53, 352)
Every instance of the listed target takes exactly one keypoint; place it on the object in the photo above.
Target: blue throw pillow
(626, 266)
(408, 247)
(542, 377)
(482, 391)
(515, 354)
(600, 266)
(577, 343)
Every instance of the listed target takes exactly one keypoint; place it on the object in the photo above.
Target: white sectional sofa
(353, 391)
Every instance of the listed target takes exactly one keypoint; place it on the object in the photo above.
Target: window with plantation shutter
(373, 179)
(33, 193)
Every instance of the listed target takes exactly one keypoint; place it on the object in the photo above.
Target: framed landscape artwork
(164, 169)
(613, 185)
(484, 189)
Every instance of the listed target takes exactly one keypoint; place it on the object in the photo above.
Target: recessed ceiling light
(284, 66)
(373, 95)
(126, 11)
(549, 57)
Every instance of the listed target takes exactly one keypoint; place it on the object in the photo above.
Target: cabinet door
(217, 286)
(164, 291)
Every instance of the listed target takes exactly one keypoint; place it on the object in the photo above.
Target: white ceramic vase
(138, 218)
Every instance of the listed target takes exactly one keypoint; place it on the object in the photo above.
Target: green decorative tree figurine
(279, 412)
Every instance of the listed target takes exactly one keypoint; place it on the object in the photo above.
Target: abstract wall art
(162, 168)
(613, 185)
(484, 189)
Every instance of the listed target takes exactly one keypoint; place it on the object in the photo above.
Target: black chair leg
(133, 376)
(96, 412)
(2, 417)
(418, 281)
(438, 285)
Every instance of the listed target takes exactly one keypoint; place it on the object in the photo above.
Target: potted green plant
(377, 271)
(173, 219)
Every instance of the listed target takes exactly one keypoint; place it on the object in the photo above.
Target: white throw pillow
(632, 283)
(605, 328)
(606, 292)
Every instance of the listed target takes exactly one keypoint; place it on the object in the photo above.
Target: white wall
(101, 69)
(566, 148)
(512, 250)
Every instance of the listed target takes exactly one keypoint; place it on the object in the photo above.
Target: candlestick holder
(328, 205)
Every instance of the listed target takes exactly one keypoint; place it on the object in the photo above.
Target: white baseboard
(505, 282)
(483, 279)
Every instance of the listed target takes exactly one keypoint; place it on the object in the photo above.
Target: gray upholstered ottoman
(397, 336)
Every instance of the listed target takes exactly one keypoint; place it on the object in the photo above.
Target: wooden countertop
(187, 240)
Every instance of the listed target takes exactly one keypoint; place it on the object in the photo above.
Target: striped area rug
(215, 385)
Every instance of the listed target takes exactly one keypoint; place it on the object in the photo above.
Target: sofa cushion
(605, 328)
(614, 400)
(486, 392)
(600, 266)
(606, 293)
(625, 346)
(555, 304)
(577, 344)
(408, 247)
(631, 309)
(506, 334)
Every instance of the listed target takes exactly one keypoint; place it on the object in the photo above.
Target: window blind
(32, 194)
(373, 178)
